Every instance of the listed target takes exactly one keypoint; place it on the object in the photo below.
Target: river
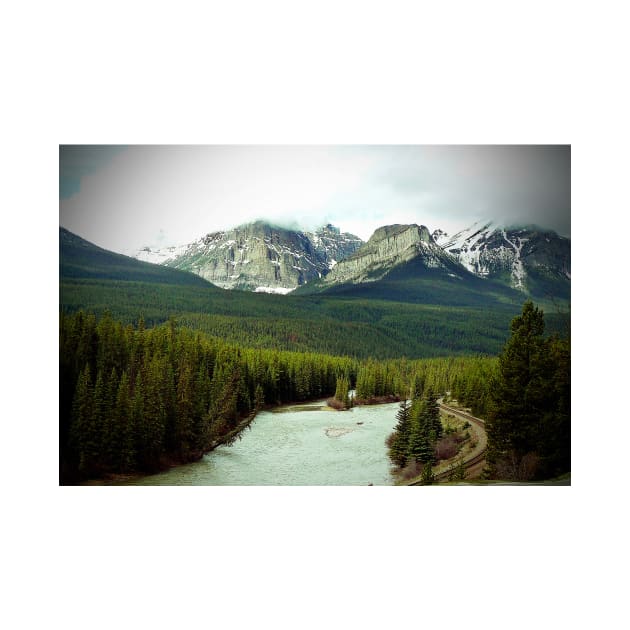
(299, 445)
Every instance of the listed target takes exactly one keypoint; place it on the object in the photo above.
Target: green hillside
(413, 282)
(80, 259)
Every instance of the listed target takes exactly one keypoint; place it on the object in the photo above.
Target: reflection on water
(297, 445)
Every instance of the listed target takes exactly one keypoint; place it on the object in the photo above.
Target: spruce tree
(137, 420)
(124, 425)
(259, 398)
(427, 477)
(399, 441)
(83, 433)
(522, 400)
(111, 433)
(558, 451)
(432, 414)
(341, 392)
(100, 415)
(420, 447)
(183, 434)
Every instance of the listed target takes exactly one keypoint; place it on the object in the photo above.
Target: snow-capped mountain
(259, 257)
(528, 259)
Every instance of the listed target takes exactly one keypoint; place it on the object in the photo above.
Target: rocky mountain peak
(389, 246)
(259, 256)
(412, 232)
(527, 258)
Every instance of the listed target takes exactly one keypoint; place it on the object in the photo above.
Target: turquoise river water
(306, 444)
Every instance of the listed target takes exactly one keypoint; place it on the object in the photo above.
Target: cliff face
(261, 257)
(389, 246)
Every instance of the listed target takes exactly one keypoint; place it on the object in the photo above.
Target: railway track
(471, 461)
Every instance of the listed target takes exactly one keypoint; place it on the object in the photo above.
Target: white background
(291, 72)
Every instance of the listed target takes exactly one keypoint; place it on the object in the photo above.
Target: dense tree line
(472, 386)
(466, 378)
(137, 399)
(360, 328)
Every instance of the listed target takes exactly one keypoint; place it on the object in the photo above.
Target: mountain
(388, 247)
(433, 317)
(260, 257)
(534, 261)
(264, 258)
(402, 263)
(81, 260)
(414, 310)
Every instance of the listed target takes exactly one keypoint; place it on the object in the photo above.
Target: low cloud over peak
(123, 198)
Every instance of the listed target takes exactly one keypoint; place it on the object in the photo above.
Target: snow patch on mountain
(159, 256)
(277, 290)
(518, 271)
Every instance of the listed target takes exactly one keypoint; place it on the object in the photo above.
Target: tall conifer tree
(523, 410)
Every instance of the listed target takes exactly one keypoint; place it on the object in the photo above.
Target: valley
(397, 305)
(160, 364)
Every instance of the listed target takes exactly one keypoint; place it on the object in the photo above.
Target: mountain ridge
(410, 312)
(260, 256)
(389, 246)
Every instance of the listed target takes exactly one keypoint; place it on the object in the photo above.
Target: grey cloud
(127, 197)
(515, 184)
(77, 161)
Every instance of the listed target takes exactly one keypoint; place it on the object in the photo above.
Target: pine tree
(156, 395)
(427, 477)
(137, 419)
(201, 428)
(432, 414)
(399, 440)
(124, 426)
(183, 434)
(110, 436)
(521, 410)
(558, 451)
(420, 447)
(100, 414)
(425, 428)
(83, 433)
(259, 398)
(341, 392)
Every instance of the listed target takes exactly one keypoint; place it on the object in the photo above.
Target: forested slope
(412, 281)
(79, 258)
(357, 324)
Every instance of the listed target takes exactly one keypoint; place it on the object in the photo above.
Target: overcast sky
(123, 198)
